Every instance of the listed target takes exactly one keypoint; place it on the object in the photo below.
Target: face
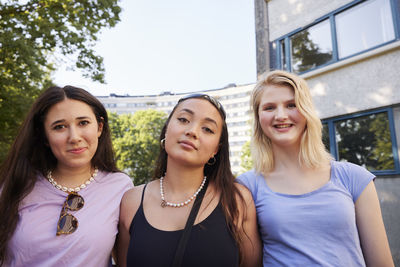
(193, 132)
(279, 117)
(72, 133)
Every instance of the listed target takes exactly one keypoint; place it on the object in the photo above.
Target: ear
(100, 127)
(216, 150)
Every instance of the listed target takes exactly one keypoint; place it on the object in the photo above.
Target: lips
(187, 144)
(77, 150)
(283, 126)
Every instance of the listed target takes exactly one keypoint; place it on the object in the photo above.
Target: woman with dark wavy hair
(60, 188)
(192, 172)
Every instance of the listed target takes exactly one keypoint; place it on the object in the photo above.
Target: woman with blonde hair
(311, 209)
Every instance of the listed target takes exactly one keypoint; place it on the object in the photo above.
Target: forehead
(69, 108)
(199, 107)
(276, 92)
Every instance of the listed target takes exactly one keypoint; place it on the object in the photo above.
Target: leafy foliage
(32, 33)
(136, 142)
(246, 162)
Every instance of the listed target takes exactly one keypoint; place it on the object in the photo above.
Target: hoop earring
(213, 160)
(162, 143)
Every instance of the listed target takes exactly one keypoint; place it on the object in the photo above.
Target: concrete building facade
(349, 53)
(235, 100)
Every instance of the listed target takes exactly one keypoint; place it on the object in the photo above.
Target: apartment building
(235, 100)
(349, 53)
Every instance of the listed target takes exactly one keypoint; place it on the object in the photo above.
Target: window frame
(335, 54)
(333, 144)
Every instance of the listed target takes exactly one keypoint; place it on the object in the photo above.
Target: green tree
(246, 162)
(136, 142)
(33, 35)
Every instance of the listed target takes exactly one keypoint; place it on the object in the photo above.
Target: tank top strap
(139, 216)
(141, 200)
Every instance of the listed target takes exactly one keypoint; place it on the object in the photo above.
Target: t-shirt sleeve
(355, 177)
(249, 180)
(128, 182)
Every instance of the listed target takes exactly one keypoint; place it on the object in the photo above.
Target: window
(365, 139)
(350, 30)
(325, 136)
(365, 26)
(283, 54)
(311, 47)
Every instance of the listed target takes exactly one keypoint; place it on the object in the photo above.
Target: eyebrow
(192, 113)
(63, 120)
(272, 102)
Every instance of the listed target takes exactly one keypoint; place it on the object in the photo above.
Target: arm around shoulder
(371, 229)
(129, 205)
(251, 243)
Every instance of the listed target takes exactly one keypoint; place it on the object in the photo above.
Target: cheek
(297, 116)
(93, 137)
(55, 143)
(212, 143)
(265, 119)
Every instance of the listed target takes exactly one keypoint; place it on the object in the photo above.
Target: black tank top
(210, 243)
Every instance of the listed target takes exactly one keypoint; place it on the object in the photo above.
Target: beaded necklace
(69, 189)
(165, 203)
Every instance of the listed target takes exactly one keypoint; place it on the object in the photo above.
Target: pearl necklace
(69, 189)
(165, 203)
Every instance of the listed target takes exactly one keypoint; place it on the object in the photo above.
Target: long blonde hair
(312, 151)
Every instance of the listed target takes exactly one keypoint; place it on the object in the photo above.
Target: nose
(191, 131)
(74, 135)
(281, 114)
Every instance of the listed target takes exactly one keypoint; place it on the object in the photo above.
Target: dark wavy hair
(30, 155)
(219, 174)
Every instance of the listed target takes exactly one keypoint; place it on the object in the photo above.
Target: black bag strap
(188, 227)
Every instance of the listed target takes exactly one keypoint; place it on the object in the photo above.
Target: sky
(178, 46)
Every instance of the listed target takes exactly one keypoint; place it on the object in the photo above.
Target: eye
(291, 105)
(183, 120)
(84, 122)
(58, 127)
(268, 107)
(208, 130)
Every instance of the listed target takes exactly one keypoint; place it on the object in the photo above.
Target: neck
(182, 179)
(72, 177)
(286, 157)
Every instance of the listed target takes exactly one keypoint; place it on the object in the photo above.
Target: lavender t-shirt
(35, 243)
(313, 229)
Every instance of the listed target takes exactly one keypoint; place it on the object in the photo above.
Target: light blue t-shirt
(313, 229)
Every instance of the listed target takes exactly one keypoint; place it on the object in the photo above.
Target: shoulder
(354, 177)
(246, 194)
(133, 196)
(245, 206)
(350, 171)
(245, 203)
(348, 167)
(130, 204)
(117, 179)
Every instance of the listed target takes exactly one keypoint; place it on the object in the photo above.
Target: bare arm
(129, 205)
(371, 229)
(251, 243)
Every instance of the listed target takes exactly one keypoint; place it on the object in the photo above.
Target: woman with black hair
(192, 173)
